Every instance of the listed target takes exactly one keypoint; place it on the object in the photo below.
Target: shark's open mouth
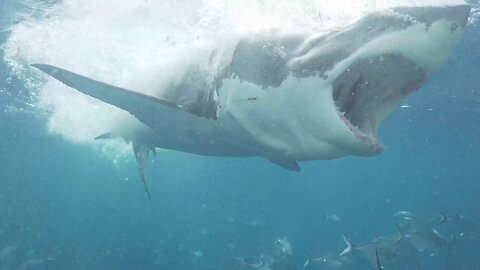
(369, 139)
(370, 89)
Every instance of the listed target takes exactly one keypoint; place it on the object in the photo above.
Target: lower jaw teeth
(368, 140)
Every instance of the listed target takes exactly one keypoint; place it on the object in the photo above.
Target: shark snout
(456, 14)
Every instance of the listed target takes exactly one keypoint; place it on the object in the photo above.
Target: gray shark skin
(291, 97)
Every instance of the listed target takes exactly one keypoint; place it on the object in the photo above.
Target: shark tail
(308, 258)
(350, 246)
(307, 263)
(442, 217)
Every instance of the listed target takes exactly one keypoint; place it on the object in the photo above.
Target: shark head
(389, 67)
(340, 86)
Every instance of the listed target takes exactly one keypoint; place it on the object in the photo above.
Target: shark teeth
(369, 140)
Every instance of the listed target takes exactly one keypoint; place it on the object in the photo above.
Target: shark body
(290, 97)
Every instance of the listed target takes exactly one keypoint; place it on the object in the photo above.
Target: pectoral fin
(147, 109)
(286, 164)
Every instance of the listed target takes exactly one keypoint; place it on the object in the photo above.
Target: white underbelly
(297, 120)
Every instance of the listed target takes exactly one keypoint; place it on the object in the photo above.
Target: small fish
(197, 253)
(351, 247)
(429, 240)
(284, 245)
(333, 218)
(255, 223)
(385, 249)
(255, 263)
(329, 261)
(407, 215)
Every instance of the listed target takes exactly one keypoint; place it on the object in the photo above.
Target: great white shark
(290, 96)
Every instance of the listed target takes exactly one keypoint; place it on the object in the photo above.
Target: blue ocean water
(62, 203)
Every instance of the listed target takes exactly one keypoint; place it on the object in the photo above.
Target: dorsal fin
(350, 246)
